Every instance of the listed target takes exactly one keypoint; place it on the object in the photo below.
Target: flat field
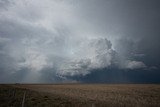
(80, 95)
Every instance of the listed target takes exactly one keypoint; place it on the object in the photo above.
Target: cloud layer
(38, 38)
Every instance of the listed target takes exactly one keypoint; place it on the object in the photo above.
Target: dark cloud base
(120, 76)
(106, 75)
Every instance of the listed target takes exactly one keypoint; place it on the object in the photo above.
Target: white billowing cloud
(91, 54)
(76, 67)
(51, 35)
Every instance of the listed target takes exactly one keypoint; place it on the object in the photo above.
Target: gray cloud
(134, 64)
(68, 38)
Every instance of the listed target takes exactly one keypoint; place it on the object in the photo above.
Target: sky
(86, 41)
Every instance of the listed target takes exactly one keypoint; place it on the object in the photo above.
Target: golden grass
(106, 95)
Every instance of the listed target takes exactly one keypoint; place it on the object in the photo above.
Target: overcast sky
(79, 41)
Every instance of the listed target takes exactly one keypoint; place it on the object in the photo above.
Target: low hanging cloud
(49, 36)
(34, 61)
(134, 64)
(91, 54)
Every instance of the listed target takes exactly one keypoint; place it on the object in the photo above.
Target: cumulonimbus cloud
(50, 36)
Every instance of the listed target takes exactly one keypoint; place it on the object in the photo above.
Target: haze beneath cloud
(52, 40)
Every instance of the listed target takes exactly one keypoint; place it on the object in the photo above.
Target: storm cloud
(51, 40)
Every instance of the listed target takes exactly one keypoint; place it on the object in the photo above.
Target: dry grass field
(81, 95)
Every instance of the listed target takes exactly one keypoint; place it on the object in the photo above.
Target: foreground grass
(12, 97)
(80, 95)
